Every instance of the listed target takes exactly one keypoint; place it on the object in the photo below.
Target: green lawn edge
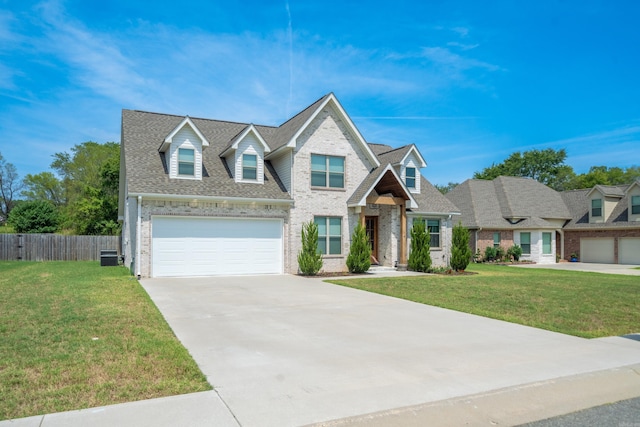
(588, 305)
(75, 335)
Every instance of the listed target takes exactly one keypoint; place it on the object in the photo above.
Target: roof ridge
(304, 109)
(198, 118)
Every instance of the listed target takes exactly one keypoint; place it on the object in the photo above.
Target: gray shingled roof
(394, 156)
(146, 168)
(610, 190)
(507, 203)
(283, 134)
(142, 133)
(579, 203)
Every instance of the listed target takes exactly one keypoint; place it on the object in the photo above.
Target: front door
(371, 225)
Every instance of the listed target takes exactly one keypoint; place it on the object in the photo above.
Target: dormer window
(635, 205)
(186, 161)
(410, 177)
(596, 208)
(249, 166)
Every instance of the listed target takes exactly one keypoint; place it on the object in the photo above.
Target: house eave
(157, 196)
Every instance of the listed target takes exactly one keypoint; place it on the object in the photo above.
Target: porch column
(403, 235)
(362, 217)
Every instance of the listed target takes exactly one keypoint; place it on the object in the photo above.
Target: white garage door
(598, 250)
(629, 250)
(215, 246)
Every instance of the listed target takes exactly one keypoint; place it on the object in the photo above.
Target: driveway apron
(286, 350)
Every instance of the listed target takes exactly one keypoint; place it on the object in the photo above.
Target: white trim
(243, 134)
(332, 98)
(187, 121)
(423, 163)
(363, 200)
(139, 237)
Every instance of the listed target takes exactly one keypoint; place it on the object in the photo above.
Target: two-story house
(205, 197)
(605, 224)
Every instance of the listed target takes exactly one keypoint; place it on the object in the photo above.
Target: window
(525, 243)
(249, 166)
(186, 161)
(496, 239)
(546, 243)
(329, 235)
(635, 205)
(410, 177)
(327, 171)
(433, 228)
(596, 207)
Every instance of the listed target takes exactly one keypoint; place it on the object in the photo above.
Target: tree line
(548, 167)
(79, 195)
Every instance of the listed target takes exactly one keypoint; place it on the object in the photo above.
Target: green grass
(6, 229)
(75, 335)
(583, 304)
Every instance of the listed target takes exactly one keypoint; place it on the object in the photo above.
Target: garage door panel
(629, 250)
(215, 246)
(597, 250)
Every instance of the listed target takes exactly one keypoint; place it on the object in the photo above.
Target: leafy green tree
(545, 166)
(420, 256)
(460, 250)
(603, 175)
(89, 176)
(44, 186)
(10, 186)
(359, 258)
(309, 258)
(34, 216)
(444, 189)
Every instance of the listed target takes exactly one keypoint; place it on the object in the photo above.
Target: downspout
(138, 237)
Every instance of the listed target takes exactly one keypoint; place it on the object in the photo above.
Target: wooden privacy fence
(55, 247)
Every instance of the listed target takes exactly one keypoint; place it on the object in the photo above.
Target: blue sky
(468, 82)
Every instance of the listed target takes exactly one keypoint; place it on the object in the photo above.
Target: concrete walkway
(291, 351)
(630, 270)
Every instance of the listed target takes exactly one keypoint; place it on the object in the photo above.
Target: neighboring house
(605, 224)
(510, 210)
(205, 197)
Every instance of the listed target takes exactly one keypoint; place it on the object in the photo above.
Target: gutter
(138, 237)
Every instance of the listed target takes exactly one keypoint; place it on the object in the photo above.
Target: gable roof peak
(185, 122)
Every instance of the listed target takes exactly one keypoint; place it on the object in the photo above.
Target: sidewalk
(506, 407)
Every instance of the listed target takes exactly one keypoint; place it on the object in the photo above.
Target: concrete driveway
(286, 350)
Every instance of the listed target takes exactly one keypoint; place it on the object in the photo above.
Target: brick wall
(485, 239)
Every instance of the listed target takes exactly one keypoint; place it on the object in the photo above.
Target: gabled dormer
(182, 149)
(245, 156)
(633, 195)
(407, 162)
(602, 201)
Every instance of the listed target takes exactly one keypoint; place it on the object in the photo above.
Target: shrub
(36, 216)
(359, 259)
(460, 250)
(309, 259)
(420, 256)
(500, 253)
(514, 252)
(490, 253)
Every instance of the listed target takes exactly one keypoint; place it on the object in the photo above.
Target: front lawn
(76, 335)
(583, 304)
